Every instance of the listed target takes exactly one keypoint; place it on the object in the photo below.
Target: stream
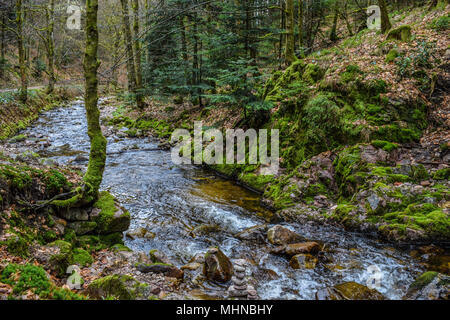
(189, 209)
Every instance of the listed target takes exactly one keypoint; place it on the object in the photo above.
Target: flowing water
(189, 210)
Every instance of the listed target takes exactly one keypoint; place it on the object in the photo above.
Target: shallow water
(189, 209)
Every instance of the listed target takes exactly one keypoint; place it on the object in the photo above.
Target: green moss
(70, 236)
(82, 258)
(18, 138)
(346, 164)
(385, 145)
(420, 173)
(423, 280)
(50, 236)
(62, 260)
(279, 80)
(26, 277)
(120, 247)
(18, 178)
(112, 239)
(342, 214)
(64, 294)
(123, 287)
(91, 243)
(441, 23)
(107, 220)
(402, 33)
(351, 73)
(18, 246)
(423, 216)
(312, 73)
(257, 182)
(442, 174)
(391, 56)
(280, 192)
(55, 182)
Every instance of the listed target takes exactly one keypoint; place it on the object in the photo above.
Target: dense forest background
(214, 52)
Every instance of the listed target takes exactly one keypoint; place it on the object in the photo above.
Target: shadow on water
(186, 210)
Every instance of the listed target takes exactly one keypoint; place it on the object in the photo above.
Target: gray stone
(82, 227)
(75, 214)
(374, 201)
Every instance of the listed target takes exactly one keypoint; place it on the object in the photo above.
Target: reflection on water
(189, 210)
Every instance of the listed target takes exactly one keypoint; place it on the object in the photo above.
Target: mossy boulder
(429, 286)
(349, 291)
(402, 33)
(82, 258)
(111, 239)
(109, 216)
(63, 257)
(217, 266)
(122, 287)
(82, 227)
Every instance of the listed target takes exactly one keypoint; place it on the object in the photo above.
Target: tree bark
(97, 156)
(23, 93)
(385, 23)
(333, 34)
(300, 25)
(50, 17)
(131, 72)
(289, 56)
(137, 56)
(2, 48)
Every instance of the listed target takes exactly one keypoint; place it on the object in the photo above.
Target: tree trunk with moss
(21, 46)
(50, 45)
(131, 71)
(333, 33)
(97, 157)
(300, 25)
(385, 23)
(137, 56)
(290, 40)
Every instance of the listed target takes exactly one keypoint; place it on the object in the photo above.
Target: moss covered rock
(82, 227)
(63, 257)
(430, 286)
(348, 291)
(122, 287)
(402, 33)
(109, 216)
(82, 258)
